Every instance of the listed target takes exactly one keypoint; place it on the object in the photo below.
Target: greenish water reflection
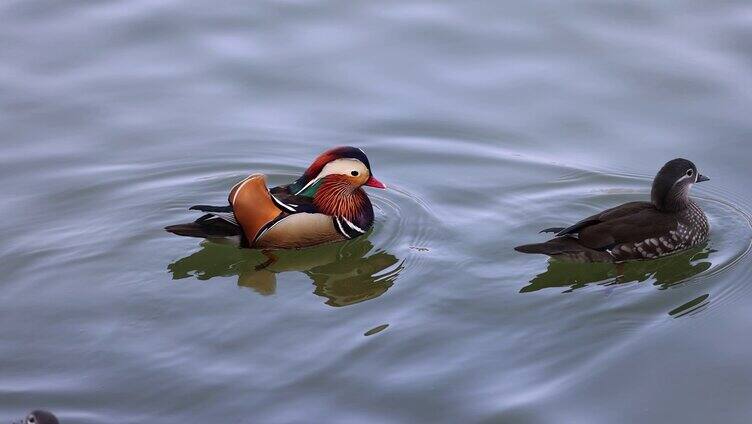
(695, 305)
(344, 273)
(666, 272)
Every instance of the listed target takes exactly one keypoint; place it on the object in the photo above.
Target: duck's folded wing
(279, 195)
(291, 203)
(630, 228)
(621, 211)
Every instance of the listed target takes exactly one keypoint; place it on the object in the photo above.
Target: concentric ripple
(405, 223)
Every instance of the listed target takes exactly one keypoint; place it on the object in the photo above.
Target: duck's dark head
(40, 417)
(348, 163)
(671, 185)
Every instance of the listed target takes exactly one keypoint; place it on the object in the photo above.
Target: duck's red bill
(373, 182)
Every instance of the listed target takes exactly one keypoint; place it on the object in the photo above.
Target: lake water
(489, 120)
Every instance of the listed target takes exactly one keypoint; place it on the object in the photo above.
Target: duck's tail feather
(209, 228)
(533, 248)
(557, 246)
(209, 208)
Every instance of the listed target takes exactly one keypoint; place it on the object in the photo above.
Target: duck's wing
(289, 202)
(612, 214)
(592, 238)
(254, 206)
(638, 226)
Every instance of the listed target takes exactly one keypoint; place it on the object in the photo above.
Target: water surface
(489, 120)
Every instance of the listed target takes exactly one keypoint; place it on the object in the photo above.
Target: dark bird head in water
(671, 186)
(40, 417)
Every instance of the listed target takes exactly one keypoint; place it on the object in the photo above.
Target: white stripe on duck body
(669, 223)
(326, 204)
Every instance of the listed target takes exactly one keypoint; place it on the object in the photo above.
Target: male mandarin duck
(326, 204)
(671, 222)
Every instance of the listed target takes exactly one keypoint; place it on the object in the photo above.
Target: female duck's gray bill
(701, 178)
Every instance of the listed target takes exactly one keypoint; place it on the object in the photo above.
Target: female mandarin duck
(671, 222)
(327, 203)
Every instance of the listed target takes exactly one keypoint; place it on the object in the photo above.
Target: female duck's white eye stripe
(282, 204)
(339, 226)
(353, 226)
(684, 178)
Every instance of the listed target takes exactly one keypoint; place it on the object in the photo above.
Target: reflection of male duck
(666, 271)
(345, 273)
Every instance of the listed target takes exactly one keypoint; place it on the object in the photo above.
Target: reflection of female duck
(344, 273)
(327, 203)
(667, 272)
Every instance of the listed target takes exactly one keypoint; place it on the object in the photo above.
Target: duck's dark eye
(354, 173)
(31, 420)
(690, 172)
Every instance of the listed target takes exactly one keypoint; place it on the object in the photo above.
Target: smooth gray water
(489, 120)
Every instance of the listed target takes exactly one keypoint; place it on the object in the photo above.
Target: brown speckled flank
(692, 229)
